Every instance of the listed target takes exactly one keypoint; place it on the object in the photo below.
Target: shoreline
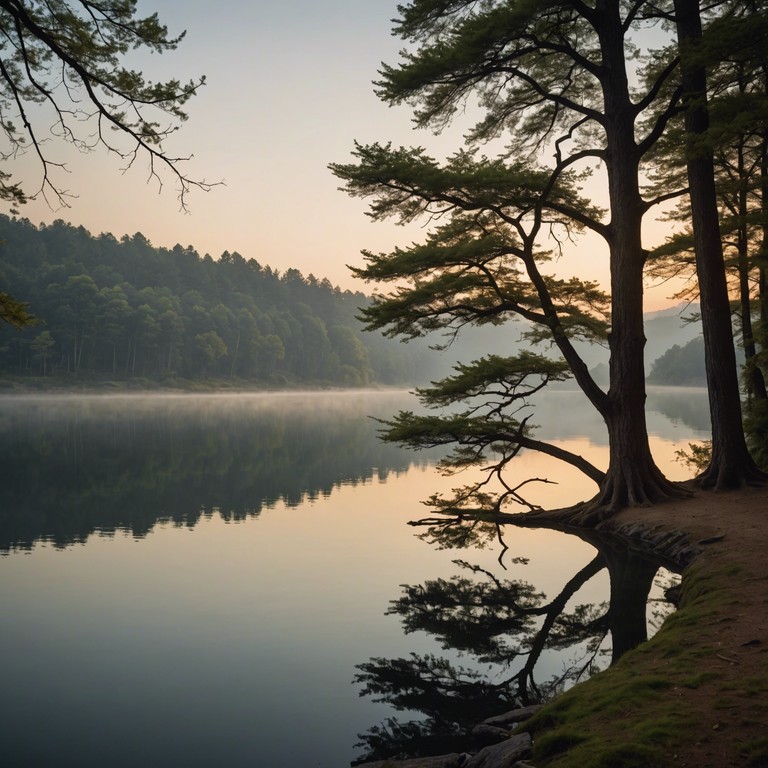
(693, 696)
(696, 694)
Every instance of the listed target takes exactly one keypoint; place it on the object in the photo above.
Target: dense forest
(124, 310)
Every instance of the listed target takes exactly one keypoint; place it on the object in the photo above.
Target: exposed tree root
(725, 475)
(631, 488)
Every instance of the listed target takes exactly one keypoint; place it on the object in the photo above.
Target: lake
(194, 580)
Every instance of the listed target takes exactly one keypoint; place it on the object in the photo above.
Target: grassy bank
(697, 693)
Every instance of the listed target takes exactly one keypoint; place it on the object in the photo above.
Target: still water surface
(192, 580)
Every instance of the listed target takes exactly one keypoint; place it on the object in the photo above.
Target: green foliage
(466, 48)
(509, 378)
(698, 456)
(41, 348)
(756, 430)
(15, 312)
(70, 57)
(482, 265)
(128, 311)
(488, 432)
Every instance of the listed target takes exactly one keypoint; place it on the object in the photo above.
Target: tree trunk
(234, 356)
(755, 382)
(631, 578)
(731, 465)
(762, 289)
(632, 479)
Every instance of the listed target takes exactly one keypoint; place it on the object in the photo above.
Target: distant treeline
(123, 309)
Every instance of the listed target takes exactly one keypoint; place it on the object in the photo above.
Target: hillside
(126, 311)
(123, 310)
(681, 365)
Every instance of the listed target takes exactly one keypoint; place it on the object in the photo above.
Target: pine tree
(553, 76)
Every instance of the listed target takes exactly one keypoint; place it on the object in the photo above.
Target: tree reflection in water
(504, 628)
(78, 465)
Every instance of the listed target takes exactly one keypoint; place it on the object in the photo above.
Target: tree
(212, 348)
(41, 349)
(75, 307)
(731, 464)
(15, 312)
(127, 309)
(69, 56)
(554, 75)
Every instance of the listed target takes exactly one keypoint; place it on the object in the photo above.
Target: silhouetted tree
(554, 75)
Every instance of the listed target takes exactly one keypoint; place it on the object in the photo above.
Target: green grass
(629, 715)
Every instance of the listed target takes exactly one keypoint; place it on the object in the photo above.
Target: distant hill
(126, 311)
(663, 330)
(123, 310)
(667, 328)
(681, 366)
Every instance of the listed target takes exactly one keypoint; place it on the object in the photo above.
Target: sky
(289, 89)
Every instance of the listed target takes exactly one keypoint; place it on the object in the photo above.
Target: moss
(629, 715)
(629, 757)
(556, 743)
(696, 681)
(748, 686)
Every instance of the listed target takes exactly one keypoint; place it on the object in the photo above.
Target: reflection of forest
(505, 629)
(562, 414)
(74, 466)
(684, 405)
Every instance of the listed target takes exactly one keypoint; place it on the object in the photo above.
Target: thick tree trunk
(762, 289)
(731, 465)
(632, 479)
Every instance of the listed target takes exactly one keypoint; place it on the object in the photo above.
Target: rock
(490, 733)
(513, 716)
(441, 761)
(503, 755)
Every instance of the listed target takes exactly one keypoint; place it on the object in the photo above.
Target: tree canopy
(127, 311)
(570, 92)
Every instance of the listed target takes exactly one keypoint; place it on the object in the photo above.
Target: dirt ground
(731, 709)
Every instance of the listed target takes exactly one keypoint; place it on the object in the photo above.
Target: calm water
(192, 580)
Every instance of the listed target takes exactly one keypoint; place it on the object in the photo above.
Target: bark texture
(731, 465)
(633, 479)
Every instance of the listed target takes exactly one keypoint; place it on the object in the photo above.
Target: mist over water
(77, 464)
(192, 579)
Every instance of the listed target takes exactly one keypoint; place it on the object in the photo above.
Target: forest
(124, 310)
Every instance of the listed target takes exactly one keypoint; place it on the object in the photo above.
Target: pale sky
(289, 89)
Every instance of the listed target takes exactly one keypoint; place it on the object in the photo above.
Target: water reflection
(501, 629)
(73, 466)
(670, 411)
(214, 643)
